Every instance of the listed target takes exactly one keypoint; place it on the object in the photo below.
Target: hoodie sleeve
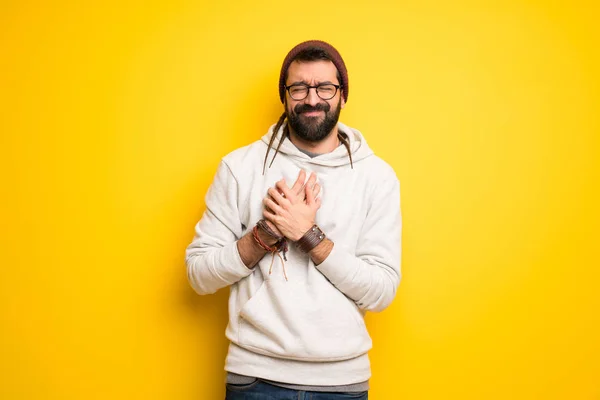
(213, 260)
(371, 276)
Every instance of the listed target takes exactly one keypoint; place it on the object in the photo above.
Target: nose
(313, 99)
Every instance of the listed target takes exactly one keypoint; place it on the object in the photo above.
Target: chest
(345, 200)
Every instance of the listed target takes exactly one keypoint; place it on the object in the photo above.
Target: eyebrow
(319, 83)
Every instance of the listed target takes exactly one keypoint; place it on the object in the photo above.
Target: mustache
(302, 108)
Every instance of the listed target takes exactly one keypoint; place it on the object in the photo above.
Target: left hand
(293, 213)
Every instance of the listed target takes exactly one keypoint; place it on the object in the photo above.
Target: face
(313, 118)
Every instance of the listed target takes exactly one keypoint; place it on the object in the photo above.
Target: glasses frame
(308, 87)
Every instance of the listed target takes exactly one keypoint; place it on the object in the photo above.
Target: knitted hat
(331, 52)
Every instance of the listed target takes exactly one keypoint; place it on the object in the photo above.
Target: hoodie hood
(338, 157)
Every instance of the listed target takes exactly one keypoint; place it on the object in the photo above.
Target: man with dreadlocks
(296, 317)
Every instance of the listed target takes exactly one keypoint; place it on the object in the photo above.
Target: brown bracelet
(280, 245)
(262, 244)
(262, 224)
(311, 239)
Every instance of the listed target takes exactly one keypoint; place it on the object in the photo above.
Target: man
(296, 316)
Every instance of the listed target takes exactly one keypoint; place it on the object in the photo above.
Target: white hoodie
(310, 329)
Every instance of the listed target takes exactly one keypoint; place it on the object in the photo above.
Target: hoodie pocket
(301, 321)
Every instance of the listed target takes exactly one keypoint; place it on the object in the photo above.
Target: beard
(313, 129)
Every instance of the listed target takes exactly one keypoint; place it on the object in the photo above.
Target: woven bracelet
(262, 244)
(280, 247)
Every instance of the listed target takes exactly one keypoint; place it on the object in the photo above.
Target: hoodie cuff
(235, 269)
(341, 268)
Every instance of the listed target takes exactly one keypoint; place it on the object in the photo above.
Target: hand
(291, 213)
(298, 189)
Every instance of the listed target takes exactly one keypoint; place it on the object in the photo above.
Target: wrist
(266, 238)
(267, 234)
(260, 243)
(301, 231)
(321, 251)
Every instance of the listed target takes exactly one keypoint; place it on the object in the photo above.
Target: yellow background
(115, 115)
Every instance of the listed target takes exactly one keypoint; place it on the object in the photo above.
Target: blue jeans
(260, 390)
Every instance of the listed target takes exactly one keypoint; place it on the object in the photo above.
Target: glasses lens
(326, 92)
(298, 92)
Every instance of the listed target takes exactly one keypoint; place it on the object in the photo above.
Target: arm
(371, 276)
(250, 251)
(216, 258)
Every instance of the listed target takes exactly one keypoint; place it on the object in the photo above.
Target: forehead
(312, 71)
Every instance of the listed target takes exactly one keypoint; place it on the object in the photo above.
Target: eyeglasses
(299, 91)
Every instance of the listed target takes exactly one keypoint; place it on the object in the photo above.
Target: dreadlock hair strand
(273, 135)
(344, 139)
(283, 136)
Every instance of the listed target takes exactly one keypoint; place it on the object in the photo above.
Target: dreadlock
(273, 135)
(344, 139)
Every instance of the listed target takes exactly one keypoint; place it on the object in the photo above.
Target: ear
(342, 101)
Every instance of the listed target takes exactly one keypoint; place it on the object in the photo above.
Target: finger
(310, 198)
(269, 216)
(282, 187)
(271, 205)
(312, 179)
(318, 203)
(316, 190)
(276, 196)
(299, 184)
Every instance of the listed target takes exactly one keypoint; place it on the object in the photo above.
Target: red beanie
(331, 52)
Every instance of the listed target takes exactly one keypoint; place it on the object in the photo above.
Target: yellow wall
(114, 117)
